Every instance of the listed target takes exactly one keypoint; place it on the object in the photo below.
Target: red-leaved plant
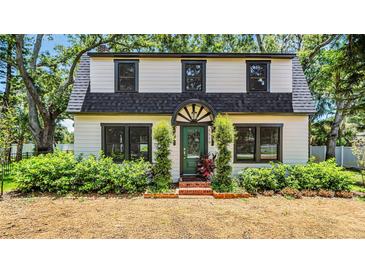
(206, 166)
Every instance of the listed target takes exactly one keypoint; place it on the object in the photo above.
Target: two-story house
(118, 98)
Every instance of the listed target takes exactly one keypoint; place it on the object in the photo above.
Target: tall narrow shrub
(223, 135)
(162, 134)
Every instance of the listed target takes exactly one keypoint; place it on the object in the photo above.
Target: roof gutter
(192, 55)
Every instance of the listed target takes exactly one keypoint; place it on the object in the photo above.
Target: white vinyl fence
(344, 155)
(29, 148)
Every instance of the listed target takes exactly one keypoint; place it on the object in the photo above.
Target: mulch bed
(219, 195)
(161, 195)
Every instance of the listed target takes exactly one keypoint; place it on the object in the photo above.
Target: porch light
(194, 115)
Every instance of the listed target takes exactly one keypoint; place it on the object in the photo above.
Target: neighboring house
(118, 98)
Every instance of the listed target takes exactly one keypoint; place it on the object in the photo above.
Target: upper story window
(126, 75)
(193, 75)
(258, 75)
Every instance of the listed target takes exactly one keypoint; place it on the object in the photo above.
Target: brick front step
(190, 179)
(196, 191)
(194, 184)
(196, 197)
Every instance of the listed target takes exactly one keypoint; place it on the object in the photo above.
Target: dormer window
(193, 76)
(258, 75)
(126, 75)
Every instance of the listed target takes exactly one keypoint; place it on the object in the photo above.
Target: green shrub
(323, 175)
(46, 173)
(332, 176)
(313, 176)
(281, 172)
(96, 174)
(61, 173)
(133, 176)
(223, 136)
(301, 177)
(162, 179)
(102, 175)
(258, 179)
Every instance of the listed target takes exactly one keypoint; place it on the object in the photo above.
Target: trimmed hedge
(313, 176)
(60, 172)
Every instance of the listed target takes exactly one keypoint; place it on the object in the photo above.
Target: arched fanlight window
(194, 113)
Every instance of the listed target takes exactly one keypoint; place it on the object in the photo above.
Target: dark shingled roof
(83, 101)
(302, 98)
(81, 85)
(166, 103)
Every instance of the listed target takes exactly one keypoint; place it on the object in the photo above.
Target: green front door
(193, 138)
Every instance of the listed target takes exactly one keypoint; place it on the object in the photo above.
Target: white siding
(164, 75)
(88, 135)
(281, 75)
(226, 75)
(159, 75)
(101, 75)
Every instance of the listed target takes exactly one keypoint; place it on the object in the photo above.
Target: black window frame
(127, 127)
(257, 158)
(184, 63)
(116, 74)
(248, 79)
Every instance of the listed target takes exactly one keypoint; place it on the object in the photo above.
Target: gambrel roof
(83, 101)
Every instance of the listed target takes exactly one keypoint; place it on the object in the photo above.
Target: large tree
(48, 80)
(339, 79)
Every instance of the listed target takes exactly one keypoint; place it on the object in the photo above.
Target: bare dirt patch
(113, 217)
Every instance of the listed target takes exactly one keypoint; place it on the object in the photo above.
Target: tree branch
(36, 49)
(259, 42)
(70, 79)
(28, 81)
(330, 39)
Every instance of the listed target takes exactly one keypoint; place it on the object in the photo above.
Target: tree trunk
(19, 148)
(335, 127)
(45, 140)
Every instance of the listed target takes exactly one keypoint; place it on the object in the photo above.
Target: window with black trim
(258, 143)
(245, 144)
(193, 75)
(258, 75)
(126, 75)
(127, 142)
(269, 143)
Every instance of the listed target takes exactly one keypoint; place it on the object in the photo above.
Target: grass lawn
(114, 217)
(358, 186)
(9, 184)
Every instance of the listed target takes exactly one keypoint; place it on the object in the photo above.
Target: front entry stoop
(195, 188)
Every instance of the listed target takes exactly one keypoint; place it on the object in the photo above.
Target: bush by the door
(223, 136)
(161, 171)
